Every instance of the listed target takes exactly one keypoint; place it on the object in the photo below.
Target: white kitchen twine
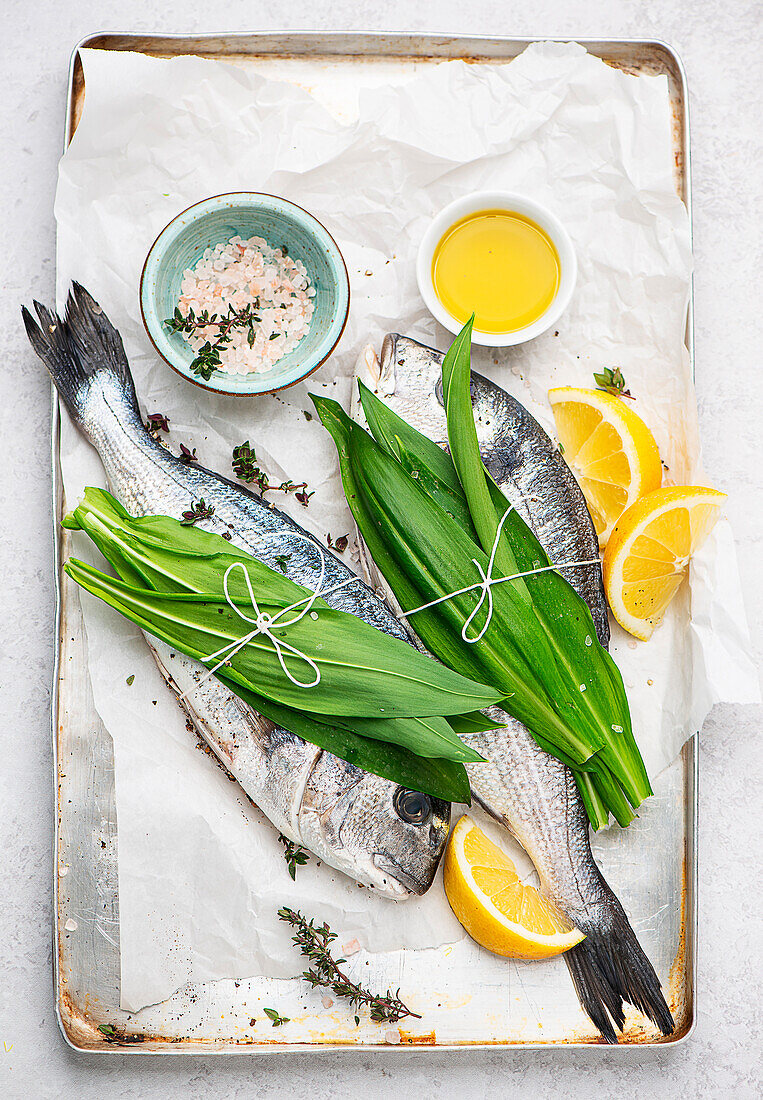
(264, 623)
(487, 582)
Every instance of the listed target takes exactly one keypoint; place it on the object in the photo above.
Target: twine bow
(264, 624)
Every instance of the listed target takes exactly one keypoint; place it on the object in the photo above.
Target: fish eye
(412, 806)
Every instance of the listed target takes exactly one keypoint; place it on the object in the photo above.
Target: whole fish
(521, 786)
(381, 834)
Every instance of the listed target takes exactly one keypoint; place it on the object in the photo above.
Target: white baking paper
(201, 872)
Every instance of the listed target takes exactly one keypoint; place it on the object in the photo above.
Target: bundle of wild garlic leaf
(426, 518)
(378, 702)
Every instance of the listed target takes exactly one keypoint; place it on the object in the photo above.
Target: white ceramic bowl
(519, 204)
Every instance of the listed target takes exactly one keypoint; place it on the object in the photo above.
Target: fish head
(404, 377)
(383, 835)
(408, 377)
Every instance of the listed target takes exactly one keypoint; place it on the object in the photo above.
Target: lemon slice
(609, 449)
(493, 905)
(649, 550)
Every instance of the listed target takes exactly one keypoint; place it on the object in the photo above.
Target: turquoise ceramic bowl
(246, 214)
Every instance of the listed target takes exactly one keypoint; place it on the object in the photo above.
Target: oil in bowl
(498, 264)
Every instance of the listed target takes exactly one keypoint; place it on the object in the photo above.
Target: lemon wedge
(496, 909)
(609, 449)
(649, 550)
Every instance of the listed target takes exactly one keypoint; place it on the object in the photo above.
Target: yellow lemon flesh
(609, 449)
(649, 550)
(493, 905)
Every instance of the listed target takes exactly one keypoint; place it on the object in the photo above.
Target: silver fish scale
(271, 764)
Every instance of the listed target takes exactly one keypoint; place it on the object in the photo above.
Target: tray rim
(690, 749)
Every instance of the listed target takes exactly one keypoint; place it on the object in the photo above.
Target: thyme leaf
(314, 943)
(111, 1035)
(294, 854)
(273, 1015)
(157, 422)
(186, 456)
(198, 510)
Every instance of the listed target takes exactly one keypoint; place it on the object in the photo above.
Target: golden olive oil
(498, 264)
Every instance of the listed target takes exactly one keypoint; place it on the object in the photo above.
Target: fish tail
(79, 349)
(609, 967)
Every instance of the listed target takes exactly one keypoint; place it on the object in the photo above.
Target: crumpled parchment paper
(201, 873)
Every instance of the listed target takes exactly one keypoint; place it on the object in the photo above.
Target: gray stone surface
(719, 45)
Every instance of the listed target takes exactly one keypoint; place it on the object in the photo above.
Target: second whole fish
(529, 792)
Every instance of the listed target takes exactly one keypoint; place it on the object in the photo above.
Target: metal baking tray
(467, 998)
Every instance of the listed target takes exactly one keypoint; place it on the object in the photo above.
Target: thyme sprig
(611, 380)
(294, 854)
(244, 463)
(208, 356)
(314, 942)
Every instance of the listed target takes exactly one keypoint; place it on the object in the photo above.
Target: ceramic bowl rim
(215, 203)
(472, 203)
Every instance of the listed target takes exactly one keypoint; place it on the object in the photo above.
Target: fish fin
(76, 350)
(609, 967)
